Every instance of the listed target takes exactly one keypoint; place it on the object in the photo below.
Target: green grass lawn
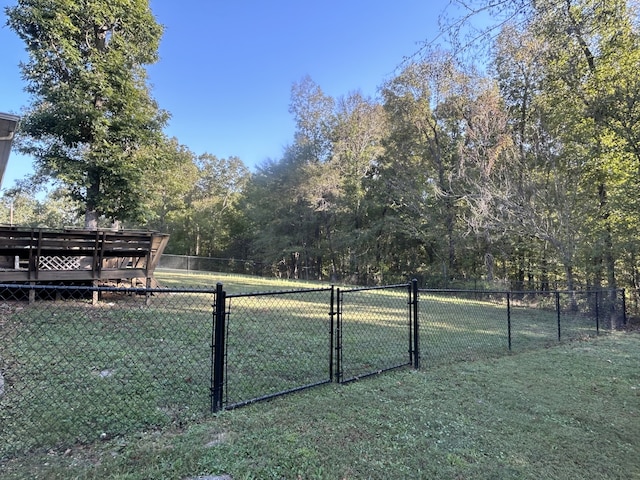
(121, 390)
(233, 284)
(567, 412)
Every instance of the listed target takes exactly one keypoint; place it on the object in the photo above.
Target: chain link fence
(273, 343)
(374, 330)
(192, 263)
(276, 343)
(76, 370)
(461, 326)
(464, 325)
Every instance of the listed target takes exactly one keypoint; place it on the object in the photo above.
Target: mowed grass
(86, 372)
(568, 412)
(464, 326)
(232, 283)
(276, 343)
(85, 380)
(74, 372)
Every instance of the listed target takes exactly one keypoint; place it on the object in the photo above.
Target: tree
(284, 227)
(17, 208)
(214, 202)
(486, 164)
(167, 189)
(312, 111)
(537, 199)
(587, 55)
(54, 211)
(424, 106)
(357, 148)
(307, 186)
(592, 58)
(91, 113)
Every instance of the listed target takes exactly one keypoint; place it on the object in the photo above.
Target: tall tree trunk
(568, 270)
(90, 220)
(544, 270)
(197, 246)
(332, 253)
(451, 238)
(615, 320)
(93, 192)
(489, 265)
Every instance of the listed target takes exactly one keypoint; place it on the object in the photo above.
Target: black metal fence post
(338, 338)
(597, 313)
(217, 349)
(558, 312)
(416, 325)
(332, 315)
(509, 319)
(410, 317)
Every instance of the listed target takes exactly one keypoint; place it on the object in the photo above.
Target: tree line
(514, 164)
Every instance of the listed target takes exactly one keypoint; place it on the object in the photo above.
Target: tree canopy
(91, 113)
(522, 171)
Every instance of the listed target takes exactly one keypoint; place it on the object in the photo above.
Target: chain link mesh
(458, 325)
(74, 371)
(374, 331)
(276, 343)
(542, 319)
(211, 264)
(461, 325)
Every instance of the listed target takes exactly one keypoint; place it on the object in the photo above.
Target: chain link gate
(269, 344)
(377, 330)
(274, 343)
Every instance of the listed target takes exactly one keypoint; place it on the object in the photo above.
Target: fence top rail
(518, 292)
(279, 292)
(379, 287)
(100, 288)
(199, 257)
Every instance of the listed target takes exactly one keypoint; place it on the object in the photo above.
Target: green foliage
(55, 210)
(524, 173)
(91, 113)
(167, 188)
(215, 199)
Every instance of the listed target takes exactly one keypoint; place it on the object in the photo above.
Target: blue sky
(226, 67)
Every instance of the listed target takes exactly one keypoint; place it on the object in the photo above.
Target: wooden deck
(70, 255)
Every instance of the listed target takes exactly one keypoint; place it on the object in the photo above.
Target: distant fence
(195, 263)
(73, 371)
(192, 263)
